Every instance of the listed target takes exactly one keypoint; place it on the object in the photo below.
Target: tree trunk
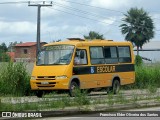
(137, 50)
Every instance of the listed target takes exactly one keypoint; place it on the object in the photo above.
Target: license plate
(44, 83)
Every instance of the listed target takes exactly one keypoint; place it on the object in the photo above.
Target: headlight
(33, 77)
(61, 77)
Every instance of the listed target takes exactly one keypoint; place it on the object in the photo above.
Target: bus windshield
(55, 55)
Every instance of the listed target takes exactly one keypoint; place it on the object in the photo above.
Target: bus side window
(96, 54)
(110, 54)
(124, 54)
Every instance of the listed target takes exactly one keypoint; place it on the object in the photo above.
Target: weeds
(14, 80)
(152, 88)
(134, 99)
(81, 98)
(147, 77)
(110, 100)
(120, 98)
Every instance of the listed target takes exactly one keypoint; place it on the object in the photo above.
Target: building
(150, 51)
(26, 52)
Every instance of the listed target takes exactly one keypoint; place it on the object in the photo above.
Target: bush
(138, 60)
(4, 57)
(147, 76)
(14, 80)
(81, 98)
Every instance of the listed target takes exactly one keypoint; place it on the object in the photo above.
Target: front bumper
(49, 84)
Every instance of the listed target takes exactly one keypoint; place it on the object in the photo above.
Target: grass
(67, 101)
(148, 77)
(81, 98)
(14, 80)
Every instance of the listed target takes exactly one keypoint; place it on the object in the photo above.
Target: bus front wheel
(39, 94)
(73, 87)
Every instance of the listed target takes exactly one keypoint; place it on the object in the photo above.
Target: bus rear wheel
(73, 87)
(115, 87)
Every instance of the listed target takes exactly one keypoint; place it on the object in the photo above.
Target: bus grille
(50, 84)
(45, 78)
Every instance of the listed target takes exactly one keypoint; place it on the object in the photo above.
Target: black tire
(39, 94)
(72, 88)
(115, 87)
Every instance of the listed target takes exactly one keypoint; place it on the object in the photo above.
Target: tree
(4, 57)
(138, 27)
(93, 35)
(3, 47)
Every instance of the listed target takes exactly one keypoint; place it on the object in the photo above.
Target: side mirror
(82, 54)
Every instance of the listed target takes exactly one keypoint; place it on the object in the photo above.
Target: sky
(70, 18)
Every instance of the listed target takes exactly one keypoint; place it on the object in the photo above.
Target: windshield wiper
(58, 64)
(41, 64)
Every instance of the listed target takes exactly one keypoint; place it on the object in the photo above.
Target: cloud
(111, 4)
(65, 27)
(45, 28)
(22, 27)
(80, 29)
(108, 21)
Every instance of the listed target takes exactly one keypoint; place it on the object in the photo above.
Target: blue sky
(70, 18)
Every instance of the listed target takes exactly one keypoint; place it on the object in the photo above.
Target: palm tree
(93, 35)
(138, 27)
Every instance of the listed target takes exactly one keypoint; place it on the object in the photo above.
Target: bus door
(82, 70)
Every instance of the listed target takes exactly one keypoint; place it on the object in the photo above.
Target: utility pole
(44, 4)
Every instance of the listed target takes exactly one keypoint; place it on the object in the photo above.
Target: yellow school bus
(84, 64)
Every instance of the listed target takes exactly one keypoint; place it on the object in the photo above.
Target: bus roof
(96, 42)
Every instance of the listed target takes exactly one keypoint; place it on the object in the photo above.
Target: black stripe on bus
(102, 69)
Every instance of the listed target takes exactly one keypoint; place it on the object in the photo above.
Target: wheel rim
(73, 89)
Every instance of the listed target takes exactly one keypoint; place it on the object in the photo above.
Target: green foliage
(4, 57)
(81, 98)
(138, 27)
(147, 77)
(110, 100)
(57, 104)
(93, 35)
(3, 47)
(19, 106)
(152, 88)
(14, 80)
(138, 60)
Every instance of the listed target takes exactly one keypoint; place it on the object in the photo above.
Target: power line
(19, 2)
(93, 6)
(82, 11)
(82, 16)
